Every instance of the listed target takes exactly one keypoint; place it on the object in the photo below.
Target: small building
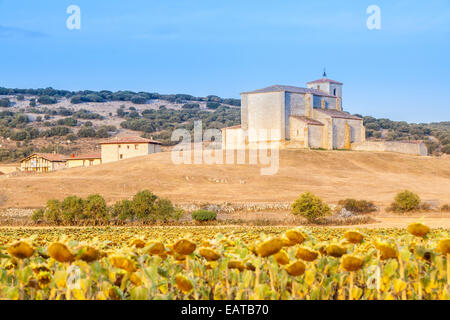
(43, 162)
(117, 149)
(85, 160)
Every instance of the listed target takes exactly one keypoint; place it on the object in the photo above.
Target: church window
(334, 91)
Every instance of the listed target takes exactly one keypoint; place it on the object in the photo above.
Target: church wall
(315, 136)
(418, 149)
(297, 130)
(266, 111)
(244, 111)
(295, 106)
(339, 132)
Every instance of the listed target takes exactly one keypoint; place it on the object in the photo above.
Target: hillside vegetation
(46, 120)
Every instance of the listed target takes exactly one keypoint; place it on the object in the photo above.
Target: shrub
(37, 215)
(204, 215)
(445, 208)
(95, 207)
(4, 102)
(310, 207)
(86, 132)
(122, 210)
(53, 211)
(47, 100)
(72, 209)
(212, 105)
(143, 204)
(358, 206)
(405, 201)
(164, 210)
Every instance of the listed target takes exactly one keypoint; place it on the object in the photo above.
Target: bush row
(145, 206)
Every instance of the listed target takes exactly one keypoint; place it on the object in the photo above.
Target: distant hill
(67, 122)
(332, 175)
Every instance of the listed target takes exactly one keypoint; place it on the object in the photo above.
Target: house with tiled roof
(311, 117)
(121, 148)
(43, 162)
(84, 160)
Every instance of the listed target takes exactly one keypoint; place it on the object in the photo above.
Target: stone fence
(417, 148)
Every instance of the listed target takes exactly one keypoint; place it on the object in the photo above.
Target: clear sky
(401, 72)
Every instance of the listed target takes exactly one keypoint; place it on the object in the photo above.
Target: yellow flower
(282, 257)
(269, 247)
(138, 243)
(335, 250)
(287, 242)
(444, 246)
(418, 229)
(184, 247)
(296, 268)
(236, 264)
(209, 254)
(134, 278)
(123, 263)
(183, 283)
(306, 254)
(60, 252)
(89, 254)
(44, 278)
(353, 236)
(351, 263)
(156, 248)
(295, 235)
(387, 252)
(21, 250)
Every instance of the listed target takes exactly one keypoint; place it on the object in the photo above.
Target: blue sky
(401, 72)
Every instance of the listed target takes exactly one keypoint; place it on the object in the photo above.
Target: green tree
(144, 204)
(122, 210)
(95, 207)
(53, 212)
(405, 201)
(72, 209)
(310, 207)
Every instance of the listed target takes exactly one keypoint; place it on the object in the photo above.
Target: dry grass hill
(333, 175)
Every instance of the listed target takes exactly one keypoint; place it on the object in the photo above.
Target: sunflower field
(234, 263)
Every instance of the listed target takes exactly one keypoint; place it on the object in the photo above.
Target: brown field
(332, 175)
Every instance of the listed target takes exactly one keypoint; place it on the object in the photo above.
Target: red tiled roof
(53, 157)
(338, 114)
(308, 120)
(323, 80)
(124, 140)
(85, 156)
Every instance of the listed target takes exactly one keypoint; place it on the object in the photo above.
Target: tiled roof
(308, 120)
(234, 127)
(323, 80)
(292, 89)
(118, 140)
(85, 156)
(48, 156)
(338, 114)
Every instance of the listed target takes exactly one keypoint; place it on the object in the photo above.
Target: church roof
(338, 114)
(324, 80)
(292, 89)
(309, 121)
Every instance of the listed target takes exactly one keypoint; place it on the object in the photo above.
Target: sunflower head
(306, 254)
(351, 262)
(296, 268)
(269, 247)
(21, 250)
(418, 229)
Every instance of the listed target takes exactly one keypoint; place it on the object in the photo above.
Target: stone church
(295, 117)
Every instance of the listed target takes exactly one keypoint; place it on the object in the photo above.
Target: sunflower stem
(351, 287)
(448, 269)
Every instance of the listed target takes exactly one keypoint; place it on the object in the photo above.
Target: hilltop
(333, 175)
(47, 120)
